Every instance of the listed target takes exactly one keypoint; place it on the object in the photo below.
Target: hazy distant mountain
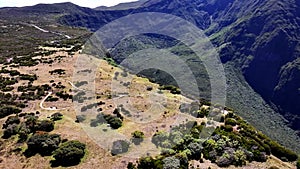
(123, 6)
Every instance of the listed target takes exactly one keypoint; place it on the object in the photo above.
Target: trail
(42, 102)
(49, 108)
(46, 31)
(75, 86)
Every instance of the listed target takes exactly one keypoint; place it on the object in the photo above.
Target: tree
(11, 130)
(137, 137)
(119, 147)
(171, 163)
(45, 125)
(69, 153)
(11, 120)
(159, 138)
(195, 149)
(56, 116)
(80, 118)
(230, 121)
(131, 166)
(239, 158)
(43, 144)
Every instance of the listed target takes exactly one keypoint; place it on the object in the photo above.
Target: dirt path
(46, 31)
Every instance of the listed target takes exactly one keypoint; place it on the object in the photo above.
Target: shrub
(43, 144)
(171, 163)
(56, 116)
(159, 138)
(114, 122)
(137, 137)
(298, 164)
(130, 165)
(69, 153)
(227, 128)
(146, 163)
(45, 125)
(281, 152)
(8, 110)
(23, 133)
(223, 161)
(119, 147)
(149, 88)
(230, 121)
(195, 149)
(202, 113)
(57, 71)
(80, 118)
(11, 120)
(11, 130)
(172, 89)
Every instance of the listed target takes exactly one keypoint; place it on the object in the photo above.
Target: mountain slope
(266, 48)
(258, 40)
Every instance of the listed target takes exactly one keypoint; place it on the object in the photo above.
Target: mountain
(265, 46)
(48, 106)
(123, 6)
(258, 43)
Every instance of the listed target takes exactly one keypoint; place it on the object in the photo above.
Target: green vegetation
(137, 137)
(63, 95)
(114, 121)
(56, 116)
(224, 147)
(8, 110)
(111, 61)
(69, 153)
(81, 83)
(34, 133)
(58, 72)
(171, 88)
(119, 147)
(45, 125)
(43, 144)
(5, 83)
(80, 118)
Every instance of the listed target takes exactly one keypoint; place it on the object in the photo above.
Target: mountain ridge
(255, 28)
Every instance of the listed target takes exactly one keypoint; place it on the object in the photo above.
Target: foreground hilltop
(44, 108)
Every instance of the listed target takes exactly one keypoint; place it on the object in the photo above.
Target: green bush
(45, 125)
(11, 120)
(281, 152)
(137, 137)
(130, 165)
(172, 89)
(8, 110)
(113, 121)
(159, 138)
(80, 118)
(56, 116)
(69, 153)
(57, 71)
(119, 147)
(196, 149)
(227, 128)
(43, 144)
(298, 164)
(171, 163)
(10, 130)
(230, 121)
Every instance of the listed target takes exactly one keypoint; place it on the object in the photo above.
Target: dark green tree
(69, 153)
